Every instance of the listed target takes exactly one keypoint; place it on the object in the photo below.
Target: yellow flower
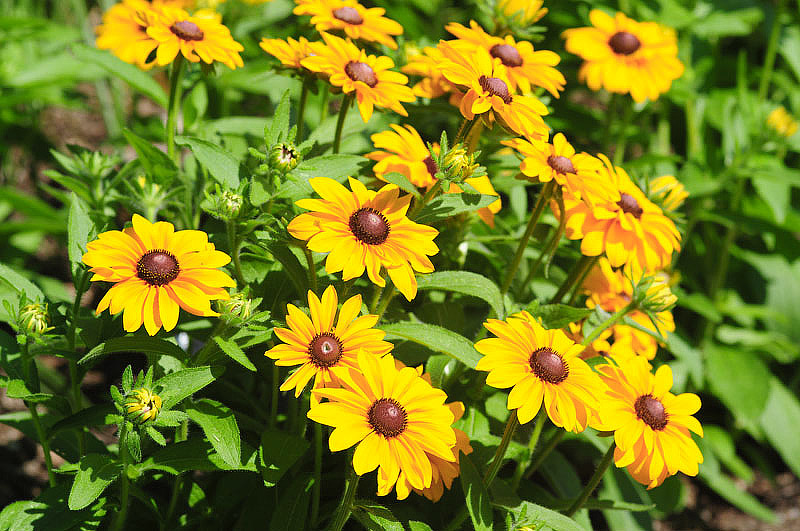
(578, 173)
(541, 366)
(528, 11)
(524, 65)
(124, 32)
(651, 425)
(369, 76)
(631, 230)
(198, 37)
(396, 419)
(668, 192)
(487, 84)
(426, 65)
(143, 405)
(782, 122)
(625, 56)
(368, 230)
(289, 52)
(349, 16)
(324, 349)
(155, 271)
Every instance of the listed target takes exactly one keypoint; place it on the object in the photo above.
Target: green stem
(175, 88)
(500, 453)
(769, 57)
(301, 111)
(385, 300)
(522, 465)
(235, 247)
(593, 481)
(577, 288)
(48, 461)
(622, 136)
(119, 521)
(74, 378)
(337, 137)
(312, 269)
(544, 195)
(538, 459)
(420, 203)
(474, 136)
(611, 321)
(458, 519)
(376, 297)
(346, 507)
(173, 503)
(575, 273)
(317, 489)
(463, 130)
(203, 355)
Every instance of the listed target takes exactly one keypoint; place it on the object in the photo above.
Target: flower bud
(33, 319)
(526, 11)
(142, 405)
(283, 157)
(654, 295)
(782, 122)
(238, 305)
(668, 192)
(460, 164)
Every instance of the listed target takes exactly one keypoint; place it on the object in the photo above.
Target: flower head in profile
(525, 66)
(363, 229)
(668, 192)
(289, 52)
(124, 32)
(198, 37)
(626, 57)
(324, 347)
(541, 367)
(651, 425)
(369, 76)
(578, 173)
(355, 20)
(488, 90)
(426, 65)
(631, 230)
(782, 122)
(156, 271)
(395, 418)
(525, 11)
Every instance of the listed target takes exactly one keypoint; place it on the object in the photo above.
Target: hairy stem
(346, 507)
(593, 481)
(337, 137)
(500, 453)
(175, 88)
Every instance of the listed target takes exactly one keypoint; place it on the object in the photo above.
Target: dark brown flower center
(496, 87)
(358, 71)
(431, 165)
(548, 365)
(560, 164)
(325, 350)
(629, 205)
(369, 226)
(187, 31)
(651, 411)
(157, 267)
(624, 43)
(348, 14)
(387, 417)
(507, 54)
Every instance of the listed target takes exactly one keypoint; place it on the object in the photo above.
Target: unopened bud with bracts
(459, 164)
(284, 157)
(142, 405)
(652, 294)
(223, 204)
(239, 305)
(33, 319)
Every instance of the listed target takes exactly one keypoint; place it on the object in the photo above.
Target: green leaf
(232, 350)
(155, 162)
(558, 315)
(178, 385)
(156, 436)
(20, 284)
(782, 410)
(132, 75)
(435, 338)
(219, 425)
(414, 525)
(542, 516)
(278, 452)
(776, 194)
(727, 23)
(96, 472)
(336, 167)
(721, 442)
(17, 388)
(467, 283)
(194, 454)
(97, 415)
(375, 517)
(279, 126)
(134, 443)
(477, 498)
(293, 506)
(789, 48)
(49, 511)
(78, 227)
(448, 205)
(150, 345)
(693, 358)
(222, 165)
(402, 182)
(291, 265)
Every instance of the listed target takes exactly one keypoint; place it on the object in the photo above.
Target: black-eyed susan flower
(631, 230)
(394, 417)
(142, 405)
(525, 11)
(155, 271)
(197, 38)
(542, 367)
(426, 65)
(782, 122)
(367, 75)
(625, 56)
(487, 90)
(651, 425)
(668, 192)
(124, 32)
(289, 52)
(524, 65)
(611, 290)
(355, 20)
(364, 229)
(578, 173)
(323, 346)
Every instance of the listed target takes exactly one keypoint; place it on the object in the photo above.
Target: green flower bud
(283, 157)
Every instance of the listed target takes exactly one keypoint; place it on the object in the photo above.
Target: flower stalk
(346, 506)
(119, 521)
(175, 89)
(593, 481)
(500, 453)
(337, 137)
